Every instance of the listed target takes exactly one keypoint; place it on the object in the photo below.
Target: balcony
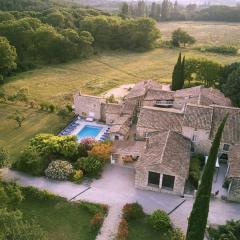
(164, 103)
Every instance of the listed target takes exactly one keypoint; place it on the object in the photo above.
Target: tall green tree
(198, 219)
(178, 74)
(8, 56)
(232, 87)
(180, 37)
(125, 10)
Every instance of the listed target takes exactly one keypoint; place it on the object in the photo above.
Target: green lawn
(62, 220)
(15, 138)
(141, 230)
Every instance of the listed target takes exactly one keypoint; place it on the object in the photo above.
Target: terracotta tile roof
(231, 133)
(211, 96)
(121, 125)
(203, 96)
(128, 147)
(128, 107)
(160, 119)
(169, 149)
(198, 116)
(141, 88)
(234, 161)
(189, 92)
(158, 94)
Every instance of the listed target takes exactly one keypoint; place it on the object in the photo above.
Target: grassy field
(206, 33)
(15, 138)
(101, 73)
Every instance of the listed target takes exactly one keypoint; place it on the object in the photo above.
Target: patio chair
(90, 117)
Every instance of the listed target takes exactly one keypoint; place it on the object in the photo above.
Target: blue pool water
(89, 131)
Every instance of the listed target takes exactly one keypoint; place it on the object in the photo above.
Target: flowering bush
(88, 142)
(101, 150)
(177, 234)
(97, 221)
(122, 230)
(160, 221)
(59, 170)
(77, 176)
(132, 211)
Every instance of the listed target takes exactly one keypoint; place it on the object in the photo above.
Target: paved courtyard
(116, 187)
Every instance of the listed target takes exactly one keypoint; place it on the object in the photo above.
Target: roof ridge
(165, 145)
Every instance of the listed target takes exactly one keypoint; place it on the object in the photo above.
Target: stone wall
(141, 180)
(85, 104)
(111, 117)
(234, 190)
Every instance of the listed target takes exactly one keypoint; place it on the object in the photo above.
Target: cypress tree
(177, 73)
(182, 78)
(198, 219)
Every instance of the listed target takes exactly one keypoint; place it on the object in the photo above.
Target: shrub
(122, 230)
(195, 171)
(96, 222)
(59, 170)
(101, 150)
(94, 208)
(34, 193)
(231, 230)
(4, 158)
(82, 150)
(77, 176)
(226, 50)
(63, 146)
(177, 234)
(92, 166)
(132, 211)
(160, 221)
(31, 162)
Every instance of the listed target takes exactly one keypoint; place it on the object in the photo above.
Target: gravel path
(111, 223)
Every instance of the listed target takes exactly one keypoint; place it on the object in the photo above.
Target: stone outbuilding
(164, 163)
(85, 105)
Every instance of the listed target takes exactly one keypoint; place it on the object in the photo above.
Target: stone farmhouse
(155, 131)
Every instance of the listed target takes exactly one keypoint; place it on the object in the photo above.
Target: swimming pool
(89, 131)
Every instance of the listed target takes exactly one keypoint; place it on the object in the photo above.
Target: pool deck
(83, 123)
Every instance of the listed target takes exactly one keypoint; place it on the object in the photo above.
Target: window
(146, 134)
(192, 148)
(154, 178)
(116, 137)
(226, 147)
(168, 182)
(194, 138)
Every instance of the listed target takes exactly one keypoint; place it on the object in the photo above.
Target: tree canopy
(180, 37)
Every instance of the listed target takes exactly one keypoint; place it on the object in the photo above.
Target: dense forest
(168, 10)
(50, 32)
